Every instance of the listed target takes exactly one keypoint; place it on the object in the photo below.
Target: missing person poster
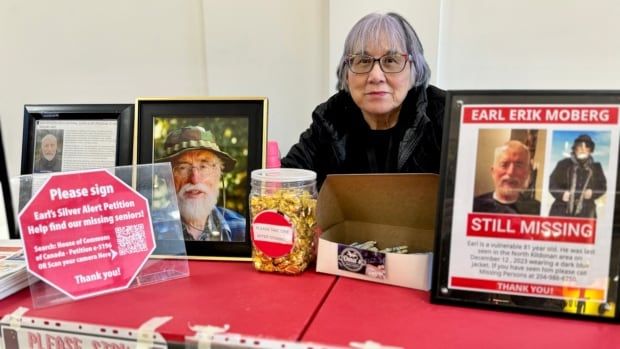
(533, 205)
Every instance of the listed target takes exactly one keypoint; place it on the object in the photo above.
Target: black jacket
(337, 139)
(580, 176)
(486, 203)
(44, 165)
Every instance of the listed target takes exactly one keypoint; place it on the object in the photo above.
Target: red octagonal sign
(86, 233)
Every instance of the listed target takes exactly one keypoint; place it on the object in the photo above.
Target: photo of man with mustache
(197, 166)
(50, 159)
(511, 177)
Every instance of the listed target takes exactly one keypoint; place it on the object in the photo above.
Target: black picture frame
(520, 272)
(123, 114)
(243, 118)
(6, 193)
(59, 118)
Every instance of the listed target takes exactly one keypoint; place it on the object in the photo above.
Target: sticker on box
(361, 261)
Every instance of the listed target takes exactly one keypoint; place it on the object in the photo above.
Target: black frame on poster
(455, 209)
(156, 117)
(122, 113)
(6, 194)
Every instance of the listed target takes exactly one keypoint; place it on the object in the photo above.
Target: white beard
(196, 211)
(582, 156)
(49, 157)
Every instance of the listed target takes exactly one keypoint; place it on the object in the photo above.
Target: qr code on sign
(131, 239)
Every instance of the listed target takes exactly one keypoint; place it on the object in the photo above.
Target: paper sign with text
(86, 233)
(534, 200)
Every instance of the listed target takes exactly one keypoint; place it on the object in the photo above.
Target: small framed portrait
(528, 209)
(48, 151)
(212, 145)
(68, 137)
(72, 137)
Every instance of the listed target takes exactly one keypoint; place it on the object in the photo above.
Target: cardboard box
(392, 209)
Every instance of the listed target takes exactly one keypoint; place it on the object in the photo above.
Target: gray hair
(401, 36)
(50, 137)
(515, 145)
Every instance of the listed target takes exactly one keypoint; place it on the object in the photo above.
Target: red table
(319, 308)
(216, 293)
(358, 311)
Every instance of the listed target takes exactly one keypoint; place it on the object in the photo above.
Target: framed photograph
(7, 218)
(528, 216)
(67, 137)
(212, 145)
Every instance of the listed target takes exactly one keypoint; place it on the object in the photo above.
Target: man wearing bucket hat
(197, 166)
(577, 181)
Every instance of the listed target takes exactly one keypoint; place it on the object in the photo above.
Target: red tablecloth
(358, 311)
(319, 308)
(216, 293)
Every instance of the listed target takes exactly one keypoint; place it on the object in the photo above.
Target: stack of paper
(13, 273)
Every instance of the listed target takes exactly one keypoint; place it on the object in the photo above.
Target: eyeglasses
(390, 63)
(205, 168)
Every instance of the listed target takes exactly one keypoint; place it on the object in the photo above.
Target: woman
(385, 117)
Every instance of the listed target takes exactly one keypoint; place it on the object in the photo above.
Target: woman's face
(379, 95)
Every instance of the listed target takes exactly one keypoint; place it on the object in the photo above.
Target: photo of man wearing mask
(577, 181)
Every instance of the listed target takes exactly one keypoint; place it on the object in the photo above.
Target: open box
(392, 209)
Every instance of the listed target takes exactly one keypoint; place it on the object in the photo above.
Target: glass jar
(283, 215)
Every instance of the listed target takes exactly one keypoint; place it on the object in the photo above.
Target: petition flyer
(86, 233)
(534, 200)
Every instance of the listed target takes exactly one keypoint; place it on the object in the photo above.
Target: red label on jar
(272, 233)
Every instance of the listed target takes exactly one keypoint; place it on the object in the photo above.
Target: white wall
(272, 48)
(70, 51)
(529, 44)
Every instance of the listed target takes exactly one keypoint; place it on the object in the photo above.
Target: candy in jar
(282, 208)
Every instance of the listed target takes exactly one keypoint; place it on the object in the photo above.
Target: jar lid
(283, 175)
